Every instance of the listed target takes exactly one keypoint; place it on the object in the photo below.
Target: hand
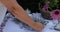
(38, 26)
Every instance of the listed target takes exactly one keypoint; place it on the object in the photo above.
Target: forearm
(20, 14)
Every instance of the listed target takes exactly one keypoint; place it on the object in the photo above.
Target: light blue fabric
(13, 27)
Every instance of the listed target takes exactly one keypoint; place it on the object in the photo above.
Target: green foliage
(53, 3)
(46, 15)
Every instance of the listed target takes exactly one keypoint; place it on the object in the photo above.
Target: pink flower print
(55, 14)
(45, 7)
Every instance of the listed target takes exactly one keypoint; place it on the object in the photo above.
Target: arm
(20, 14)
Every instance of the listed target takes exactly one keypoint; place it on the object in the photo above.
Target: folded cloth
(14, 25)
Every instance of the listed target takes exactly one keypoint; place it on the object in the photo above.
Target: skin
(20, 14)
